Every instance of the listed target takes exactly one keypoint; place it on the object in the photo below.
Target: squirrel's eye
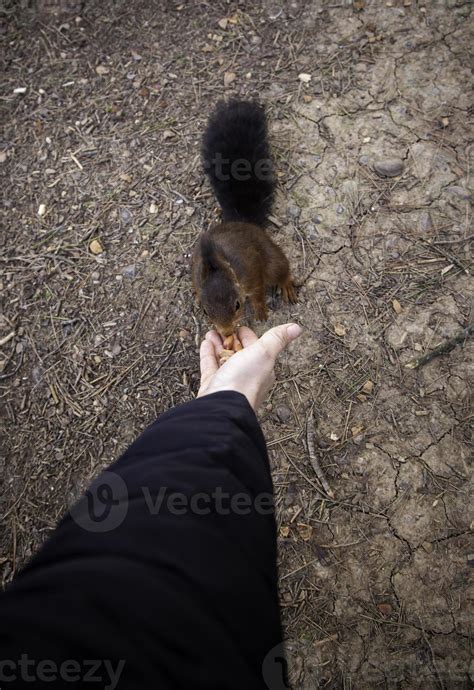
(237, 305)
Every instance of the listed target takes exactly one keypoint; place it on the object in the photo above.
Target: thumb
(276, 339)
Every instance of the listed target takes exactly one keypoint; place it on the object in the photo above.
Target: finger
(207, 360)
(246, 336)
(276, 339)
(216, 340)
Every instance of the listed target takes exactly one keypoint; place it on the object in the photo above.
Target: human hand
(249, 371)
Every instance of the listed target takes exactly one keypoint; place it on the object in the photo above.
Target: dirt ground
(104, 105)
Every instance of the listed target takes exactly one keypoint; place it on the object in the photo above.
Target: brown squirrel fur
(236, 259)
(239, 261)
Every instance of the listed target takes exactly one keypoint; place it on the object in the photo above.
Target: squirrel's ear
(210, 261)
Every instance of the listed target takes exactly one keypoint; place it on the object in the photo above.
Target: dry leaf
(397, 307)
(229, 78)
(168, 134)
(307, 98)
(234, 19)
(385, 609)
(207, 48)
(339, 329)
(3, 156)
(102, 69)
(358, 5)
(284, 531)
(368, 387)
(153, 208)
(41, 209)
(445, 121)
(304, 78)
(356, 430)
(223, 23)
(96, 247)
(334, 436)
(305, 531)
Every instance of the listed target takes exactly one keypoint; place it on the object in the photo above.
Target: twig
(310, 434)
(447, 346)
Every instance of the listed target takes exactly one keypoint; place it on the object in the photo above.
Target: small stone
(102, 69)
(340, 209)
(364, 160)
(389, 167)
(339, 329)
(425, 221)
(153, 208)
(116, 350)
(304, 77)
(129, 271)
(294, 212)
(41, 209)
(223, 23)
(457, 191)
(283, 413)
(95, 276)
(95, 247)
(125, 215)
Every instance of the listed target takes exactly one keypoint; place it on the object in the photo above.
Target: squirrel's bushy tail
(236, 158)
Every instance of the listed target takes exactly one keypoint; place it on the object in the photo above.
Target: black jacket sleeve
(164, 573)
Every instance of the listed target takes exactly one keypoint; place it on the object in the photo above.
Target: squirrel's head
(221, 296)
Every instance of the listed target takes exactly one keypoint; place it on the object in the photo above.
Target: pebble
(95, 276)
(116, 350)
(311, 232)
(125, 215)
(129, 271)
(340, 209)
(294, 211)
(389, 167)
(363, 160)
(283, 413)
(425, 221)
(459, 191)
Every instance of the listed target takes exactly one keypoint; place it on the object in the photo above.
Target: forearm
(177, 543)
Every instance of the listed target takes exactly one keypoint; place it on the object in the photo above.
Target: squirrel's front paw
(289, 292)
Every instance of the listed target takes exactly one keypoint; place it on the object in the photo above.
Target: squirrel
(236, 258)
